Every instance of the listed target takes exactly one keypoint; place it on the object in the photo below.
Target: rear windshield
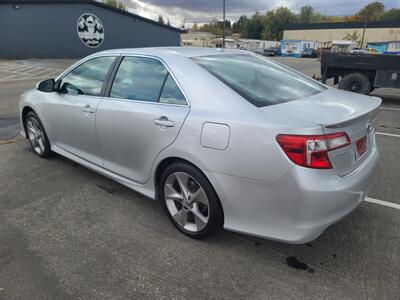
(260, 81)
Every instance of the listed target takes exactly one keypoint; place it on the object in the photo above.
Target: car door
(142, 116)
(72, 111)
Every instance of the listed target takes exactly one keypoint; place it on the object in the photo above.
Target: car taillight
(311, 151)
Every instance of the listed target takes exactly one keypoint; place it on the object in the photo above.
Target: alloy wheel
(35, 135)
(186, 201)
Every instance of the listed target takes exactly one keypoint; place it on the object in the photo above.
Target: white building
(230, 43)
(393, 47)
(206, 39)
(197, 39)
(257, 45)
(343, 46)
(296, 47)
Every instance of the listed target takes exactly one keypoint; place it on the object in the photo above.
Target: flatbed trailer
(361, 73)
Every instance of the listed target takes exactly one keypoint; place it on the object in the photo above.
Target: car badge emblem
(369, 126)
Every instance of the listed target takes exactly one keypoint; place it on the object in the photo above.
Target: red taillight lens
(311, 151)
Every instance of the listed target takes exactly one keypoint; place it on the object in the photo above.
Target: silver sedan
(223, 138)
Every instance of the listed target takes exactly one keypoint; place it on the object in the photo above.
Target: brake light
(311, 151)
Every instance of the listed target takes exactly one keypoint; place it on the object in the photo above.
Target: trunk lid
(339, 111)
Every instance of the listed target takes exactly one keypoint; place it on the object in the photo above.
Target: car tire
(357, 83)
(198, 216)
(37, 135)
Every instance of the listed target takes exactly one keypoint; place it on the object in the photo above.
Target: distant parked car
(309, 52)
(272, 51)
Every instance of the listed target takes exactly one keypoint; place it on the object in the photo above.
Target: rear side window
(145, 79)
(171, 93)
(139, 78)
(87, 78)
(260, 81)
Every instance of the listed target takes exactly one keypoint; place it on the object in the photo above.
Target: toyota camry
(223, 138)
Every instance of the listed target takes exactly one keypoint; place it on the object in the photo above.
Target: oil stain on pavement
(293, 262)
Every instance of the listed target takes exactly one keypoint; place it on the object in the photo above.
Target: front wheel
(37, 135)
(190, 201)
(356, 82)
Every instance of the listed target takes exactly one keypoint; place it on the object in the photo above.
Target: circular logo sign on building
(90, 30)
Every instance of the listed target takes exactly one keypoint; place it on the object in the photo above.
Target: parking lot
(67, 232)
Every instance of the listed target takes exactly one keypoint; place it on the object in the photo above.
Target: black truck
(361, 73)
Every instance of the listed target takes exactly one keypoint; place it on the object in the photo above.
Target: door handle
(88, 109)
(163, 121)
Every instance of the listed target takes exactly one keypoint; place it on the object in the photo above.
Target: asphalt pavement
(67, 232)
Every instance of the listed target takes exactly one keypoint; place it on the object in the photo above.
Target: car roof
(179, 51)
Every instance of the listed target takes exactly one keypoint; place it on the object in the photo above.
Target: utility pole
(365, 27)
(223, 25)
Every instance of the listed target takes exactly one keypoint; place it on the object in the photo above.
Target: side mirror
(46, 86)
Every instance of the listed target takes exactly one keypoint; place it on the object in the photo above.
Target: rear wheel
(190, 201)
(37, 135)
(356, 82)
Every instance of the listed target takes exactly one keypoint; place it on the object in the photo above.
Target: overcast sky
(202, 11)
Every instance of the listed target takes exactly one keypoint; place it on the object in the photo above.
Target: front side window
(87, 78)
(258, 80)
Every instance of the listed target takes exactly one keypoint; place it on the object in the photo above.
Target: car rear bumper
(299, 207)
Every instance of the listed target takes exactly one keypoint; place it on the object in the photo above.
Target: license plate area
(361, 147)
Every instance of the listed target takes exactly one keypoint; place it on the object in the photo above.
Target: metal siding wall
(49, 31)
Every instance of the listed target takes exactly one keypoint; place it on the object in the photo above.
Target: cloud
(202, 11)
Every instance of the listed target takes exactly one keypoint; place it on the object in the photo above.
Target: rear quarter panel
(252, 151)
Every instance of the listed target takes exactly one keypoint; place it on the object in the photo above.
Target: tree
(309, 15)
(352, 18)
(318, 18)
(270, 25)
(353, 36)
(371, 12)
(334, 19)
(252, 28)
(237, 27)
(306, 14)
(115, 3)
(275, 21)
(215, 27)
(228, 25)
(161, 19)
(391, 15)
(195, 27)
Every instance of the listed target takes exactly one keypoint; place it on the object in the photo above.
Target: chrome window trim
(141, 101)
(81, 62)
(169, 72)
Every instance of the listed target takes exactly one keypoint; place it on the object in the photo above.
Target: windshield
(260, 81)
